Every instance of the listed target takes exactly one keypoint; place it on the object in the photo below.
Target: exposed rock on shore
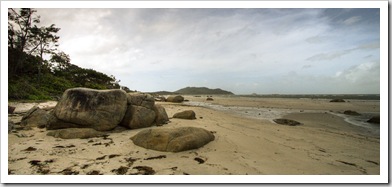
(175, 99)
(351, 113)
(173, 140)
(98, 109)
(187, 114)
(75, 133)
(374, 119)
(288, 122)
(337, 101)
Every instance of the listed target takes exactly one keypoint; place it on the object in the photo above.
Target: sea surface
(270, 114)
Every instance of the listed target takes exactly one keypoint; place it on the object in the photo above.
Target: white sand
(325, 144)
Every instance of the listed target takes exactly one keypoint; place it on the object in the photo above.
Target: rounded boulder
(173, 140)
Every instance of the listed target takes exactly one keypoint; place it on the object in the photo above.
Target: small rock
(75, 133)
(187, 114)
(337, 101)
(288, 122)
(351, 113)
(374, 119)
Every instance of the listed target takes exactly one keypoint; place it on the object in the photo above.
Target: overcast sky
(264, 51)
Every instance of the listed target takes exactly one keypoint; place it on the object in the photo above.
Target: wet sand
(326, 144)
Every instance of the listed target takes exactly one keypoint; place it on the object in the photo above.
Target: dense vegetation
(31, 76)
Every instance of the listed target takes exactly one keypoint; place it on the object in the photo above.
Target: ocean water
(274, 113)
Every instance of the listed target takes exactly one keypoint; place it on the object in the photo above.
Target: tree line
(36, 68)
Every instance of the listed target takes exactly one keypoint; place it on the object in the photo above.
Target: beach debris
(60, 146)
(373, 162)
(94, 172)
(35, 162)
(187, 114)
(201, 161)
(374, 119)
(11, 171)
(101, 158)
(347, 163)
(351, 113)
(288, 122)
(173, 139)
(121, 170)
(143, 170)
(30, 149)
(113, 155)
(337, 101)
(156, 157)
(131, 160)
(175, 99)
(69, 171)
(75, 133)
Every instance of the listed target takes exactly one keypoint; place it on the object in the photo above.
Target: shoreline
(242, 146)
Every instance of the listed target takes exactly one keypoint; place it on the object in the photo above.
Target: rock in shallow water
(173, 140)
(288, 122)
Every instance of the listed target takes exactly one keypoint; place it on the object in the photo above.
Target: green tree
(25, 36)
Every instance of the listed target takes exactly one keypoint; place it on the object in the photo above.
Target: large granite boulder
(161, 116)
(55, 123)
(187, 114)
(75, 133)
(175, 99)
(36, 117)
(141, 99)
(88, 108)
(138, 117)
(173, 140)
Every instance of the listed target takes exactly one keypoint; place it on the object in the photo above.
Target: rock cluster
(86, 113)
(103, 110)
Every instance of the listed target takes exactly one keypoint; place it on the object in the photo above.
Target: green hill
(203, 91)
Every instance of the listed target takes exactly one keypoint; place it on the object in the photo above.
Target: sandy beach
(247, 142)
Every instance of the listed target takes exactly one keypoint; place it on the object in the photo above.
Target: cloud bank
(245, 51)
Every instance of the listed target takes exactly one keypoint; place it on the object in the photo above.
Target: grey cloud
(352, 20)
(327, 56)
